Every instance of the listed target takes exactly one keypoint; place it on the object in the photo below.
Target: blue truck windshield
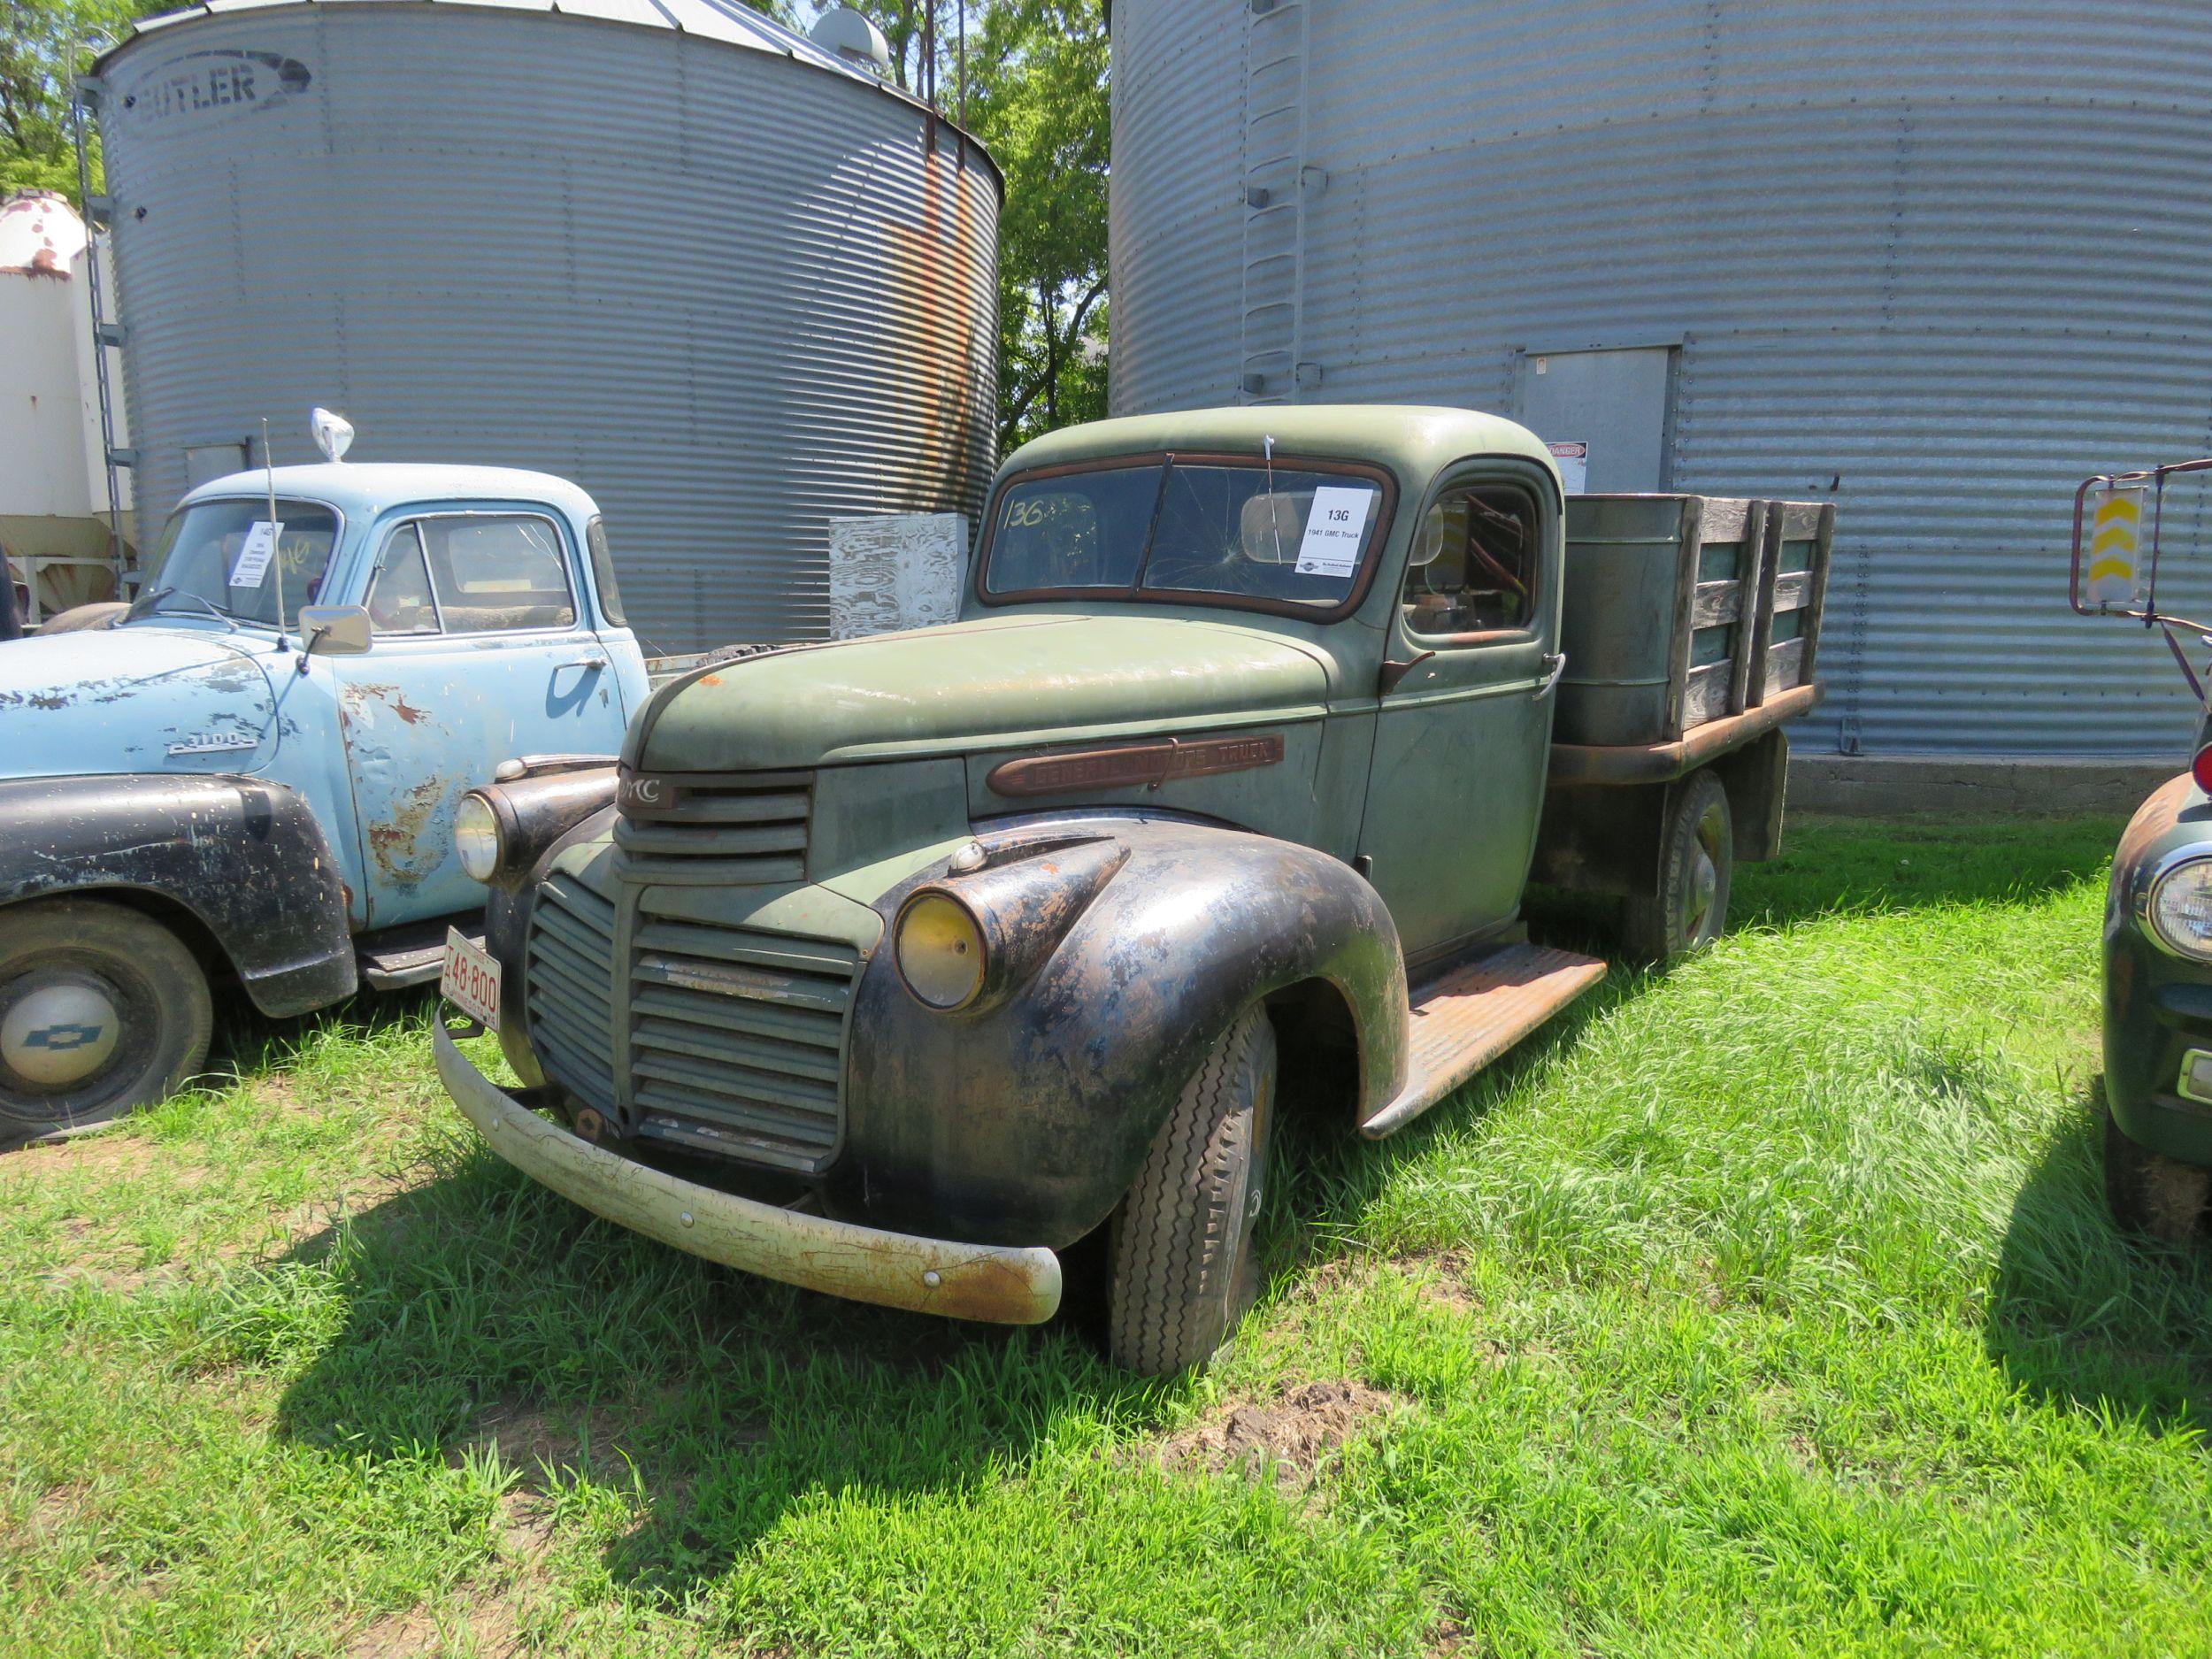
(223, 554)
(1281, 536)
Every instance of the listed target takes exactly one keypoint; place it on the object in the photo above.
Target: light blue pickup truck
(249, 774)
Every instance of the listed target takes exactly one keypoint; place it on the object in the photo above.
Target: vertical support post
(84, 91)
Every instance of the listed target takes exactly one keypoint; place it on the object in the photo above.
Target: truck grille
(568, 983)
(719, 829)
(737, 1039)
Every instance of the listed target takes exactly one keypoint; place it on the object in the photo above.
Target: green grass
(1765, 1307)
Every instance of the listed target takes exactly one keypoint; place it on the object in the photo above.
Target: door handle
(1553, 665)
(581, 662)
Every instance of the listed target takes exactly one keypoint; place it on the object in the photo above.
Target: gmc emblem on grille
(631, 790)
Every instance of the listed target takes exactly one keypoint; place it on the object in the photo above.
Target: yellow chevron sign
(2115, 540)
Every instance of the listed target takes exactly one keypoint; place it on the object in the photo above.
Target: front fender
(245, 857)
(2157, 1006)
(1027, 1121)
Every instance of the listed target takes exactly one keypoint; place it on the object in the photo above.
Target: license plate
(471, 978)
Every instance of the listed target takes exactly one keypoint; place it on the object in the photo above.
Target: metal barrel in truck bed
(1684, 609)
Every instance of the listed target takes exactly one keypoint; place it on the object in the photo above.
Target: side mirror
(336, 630)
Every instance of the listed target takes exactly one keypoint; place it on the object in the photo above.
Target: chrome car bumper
(1002, 1283)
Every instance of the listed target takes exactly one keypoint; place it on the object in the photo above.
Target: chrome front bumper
(1002, 1284)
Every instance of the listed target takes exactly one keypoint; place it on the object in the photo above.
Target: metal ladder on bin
(1276, 183)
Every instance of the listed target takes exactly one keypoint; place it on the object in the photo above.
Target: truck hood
(136, 699)
(975, 685)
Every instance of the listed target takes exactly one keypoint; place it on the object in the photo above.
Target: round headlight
(478, 838)
(940, 951)
(2181, 908)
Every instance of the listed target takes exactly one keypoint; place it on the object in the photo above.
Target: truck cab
(896, 966)
(253, 769)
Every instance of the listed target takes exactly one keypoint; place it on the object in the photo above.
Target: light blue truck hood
(136, 699)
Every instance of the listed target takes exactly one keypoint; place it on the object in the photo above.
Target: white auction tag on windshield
(253, 559)
(1334, 530)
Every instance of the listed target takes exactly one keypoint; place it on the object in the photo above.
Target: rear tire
(1181, 1247)
(2149, 1193)
(1697, 862)
(103, 1010)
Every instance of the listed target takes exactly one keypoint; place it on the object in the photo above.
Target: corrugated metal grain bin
(1932, 263)
(732, 285)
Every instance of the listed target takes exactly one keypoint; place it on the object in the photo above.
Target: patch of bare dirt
(1289, 1437)
(595, 1440)
(100, 1152)
(1442, 1282)
(309, 1227)
(526, 1527)
(484, 1625)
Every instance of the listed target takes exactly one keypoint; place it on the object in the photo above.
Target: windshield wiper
(152, 602)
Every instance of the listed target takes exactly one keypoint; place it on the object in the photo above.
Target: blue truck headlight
(2180, 909)
(479, 840)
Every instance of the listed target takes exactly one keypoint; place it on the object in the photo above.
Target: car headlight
(479, 837)
(2180, 909)
(940, 951)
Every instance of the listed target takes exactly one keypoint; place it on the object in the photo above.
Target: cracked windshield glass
(1241, 531)
(222, 555)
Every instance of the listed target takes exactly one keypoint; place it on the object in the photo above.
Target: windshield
(1244, 531)
(223, 554)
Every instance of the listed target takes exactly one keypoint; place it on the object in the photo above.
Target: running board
(412, 955)
(1464, 1020)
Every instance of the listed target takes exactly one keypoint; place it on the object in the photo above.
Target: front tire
(103, 1010)
(1181, 1247)
(1697, 863)
(2149, 1193)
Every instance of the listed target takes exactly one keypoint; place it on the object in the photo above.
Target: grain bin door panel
(1619, 402)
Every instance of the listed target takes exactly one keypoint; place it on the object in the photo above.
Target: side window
(602, 573)
(400, 601)
(1474, 563)
(497, 572)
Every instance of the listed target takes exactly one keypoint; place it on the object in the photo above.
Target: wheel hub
(61, 1031)
(1703, 886)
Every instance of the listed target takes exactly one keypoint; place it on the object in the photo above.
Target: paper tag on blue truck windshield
(1334, 529)
(253, 559)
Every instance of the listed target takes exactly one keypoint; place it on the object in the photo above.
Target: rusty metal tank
(728, 281)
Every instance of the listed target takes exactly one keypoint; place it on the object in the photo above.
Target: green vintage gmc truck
(898, 966)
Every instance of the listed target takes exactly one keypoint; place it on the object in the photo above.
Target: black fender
(1025, 1119)
(246, 858)
(2157, 1006)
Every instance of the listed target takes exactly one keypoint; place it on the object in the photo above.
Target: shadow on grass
(249, 1044)
(2085, 1319)
(478, 1308)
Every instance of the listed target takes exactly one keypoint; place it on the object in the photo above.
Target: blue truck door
(482, 651)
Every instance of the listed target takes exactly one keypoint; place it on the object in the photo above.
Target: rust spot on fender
(711, 679)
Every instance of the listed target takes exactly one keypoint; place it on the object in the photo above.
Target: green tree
(44, 44)
(1037, 77)
(1035, 86)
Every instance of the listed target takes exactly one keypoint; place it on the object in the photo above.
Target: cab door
(1463, 732)
(482, 650)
